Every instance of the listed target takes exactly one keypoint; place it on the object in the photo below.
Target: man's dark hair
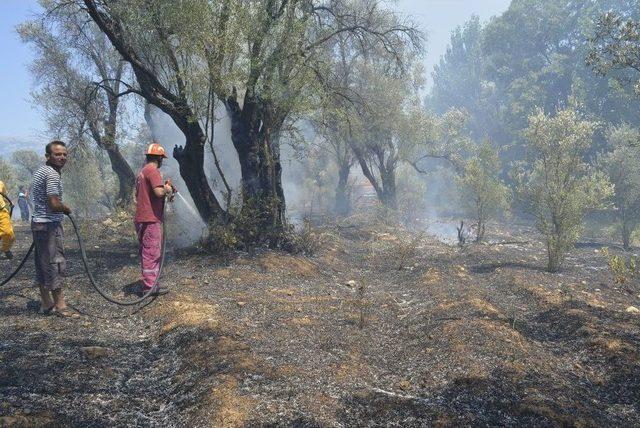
(152, 158)
(47, 149)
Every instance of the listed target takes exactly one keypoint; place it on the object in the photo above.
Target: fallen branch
(402, 396)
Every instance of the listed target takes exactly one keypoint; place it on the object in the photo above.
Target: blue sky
(20, 119)
(439, 17)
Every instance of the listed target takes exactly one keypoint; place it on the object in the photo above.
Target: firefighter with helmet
(151, 192)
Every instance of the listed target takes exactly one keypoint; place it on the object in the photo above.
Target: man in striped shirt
(46, 225)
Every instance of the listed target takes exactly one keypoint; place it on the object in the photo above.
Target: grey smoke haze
(184, 228)
(187, 228)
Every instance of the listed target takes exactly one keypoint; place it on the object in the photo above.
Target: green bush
(558, 187)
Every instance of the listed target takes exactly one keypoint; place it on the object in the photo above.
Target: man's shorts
(49, 254)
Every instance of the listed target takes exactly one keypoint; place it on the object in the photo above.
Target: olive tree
(80, 79)
(388, 119)
(25, 163)
(262, 60)
(559, 187)
(7, 175)
(365, 113)
(332, 126)
(85, 189)
(623, 167)
(615, 47)
(483, 193)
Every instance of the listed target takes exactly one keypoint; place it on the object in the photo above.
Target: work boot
(157, 291)
(8, 255)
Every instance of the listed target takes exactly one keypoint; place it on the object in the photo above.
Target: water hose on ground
(92, 280)
(24, 260)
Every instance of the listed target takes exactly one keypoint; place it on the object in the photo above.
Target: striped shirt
(46, 182)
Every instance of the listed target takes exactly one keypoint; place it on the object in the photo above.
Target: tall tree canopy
(264, 60)
(79, 78)
(531, 56)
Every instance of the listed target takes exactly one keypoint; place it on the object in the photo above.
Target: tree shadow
(491, 267)
(503, 398)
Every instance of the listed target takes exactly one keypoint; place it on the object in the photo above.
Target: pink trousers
(150, 239)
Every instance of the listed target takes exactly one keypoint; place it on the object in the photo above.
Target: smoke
(442, 215)
(184, 228)
(443, 231)
(307, 178)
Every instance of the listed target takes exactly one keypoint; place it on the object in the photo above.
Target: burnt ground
(425, 335)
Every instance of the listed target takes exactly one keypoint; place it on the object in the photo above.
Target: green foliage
(624, 270)
(622, 165)
(459, 81)
(8, 176)
(616, 46)
(531, 56)
(559, 186)
(483, 192)
(84, 191)
(26, 162)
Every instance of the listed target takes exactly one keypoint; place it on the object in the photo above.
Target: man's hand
(171, 190)
(57, 206)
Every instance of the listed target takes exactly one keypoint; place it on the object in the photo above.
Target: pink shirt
(148, 206)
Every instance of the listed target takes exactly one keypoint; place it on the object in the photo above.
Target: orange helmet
(156, 149)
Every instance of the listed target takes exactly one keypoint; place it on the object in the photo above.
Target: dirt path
(475, 337)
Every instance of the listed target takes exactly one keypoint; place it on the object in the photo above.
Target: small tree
(559, 186)
(26, 162)
(7, 175)
(623, 168)
(84, 189)
(483, 192)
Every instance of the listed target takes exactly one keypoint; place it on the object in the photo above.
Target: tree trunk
(481, 222)
(191, 157)
(126, 177)
(191, 161)
(627, 229)
(389, 193)
(343, 203)
(255, 136)
(555, 252)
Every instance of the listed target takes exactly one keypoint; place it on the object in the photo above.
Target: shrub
(624, 270)
(559, 187)
(623, 167)
(483, 192)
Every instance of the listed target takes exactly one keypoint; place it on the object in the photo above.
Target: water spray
(174, 193)
(190, 208)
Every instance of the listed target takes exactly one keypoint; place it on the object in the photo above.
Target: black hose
(24, 260)
(88, 271)
(95, 285)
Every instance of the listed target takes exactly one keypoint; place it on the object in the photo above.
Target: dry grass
(455, 338)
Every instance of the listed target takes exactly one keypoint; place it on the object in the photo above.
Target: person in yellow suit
(6, 229)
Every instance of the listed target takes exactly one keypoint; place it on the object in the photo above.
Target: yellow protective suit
(6, 229)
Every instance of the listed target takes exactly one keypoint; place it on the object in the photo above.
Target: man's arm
(161, 191)
(57, 206)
